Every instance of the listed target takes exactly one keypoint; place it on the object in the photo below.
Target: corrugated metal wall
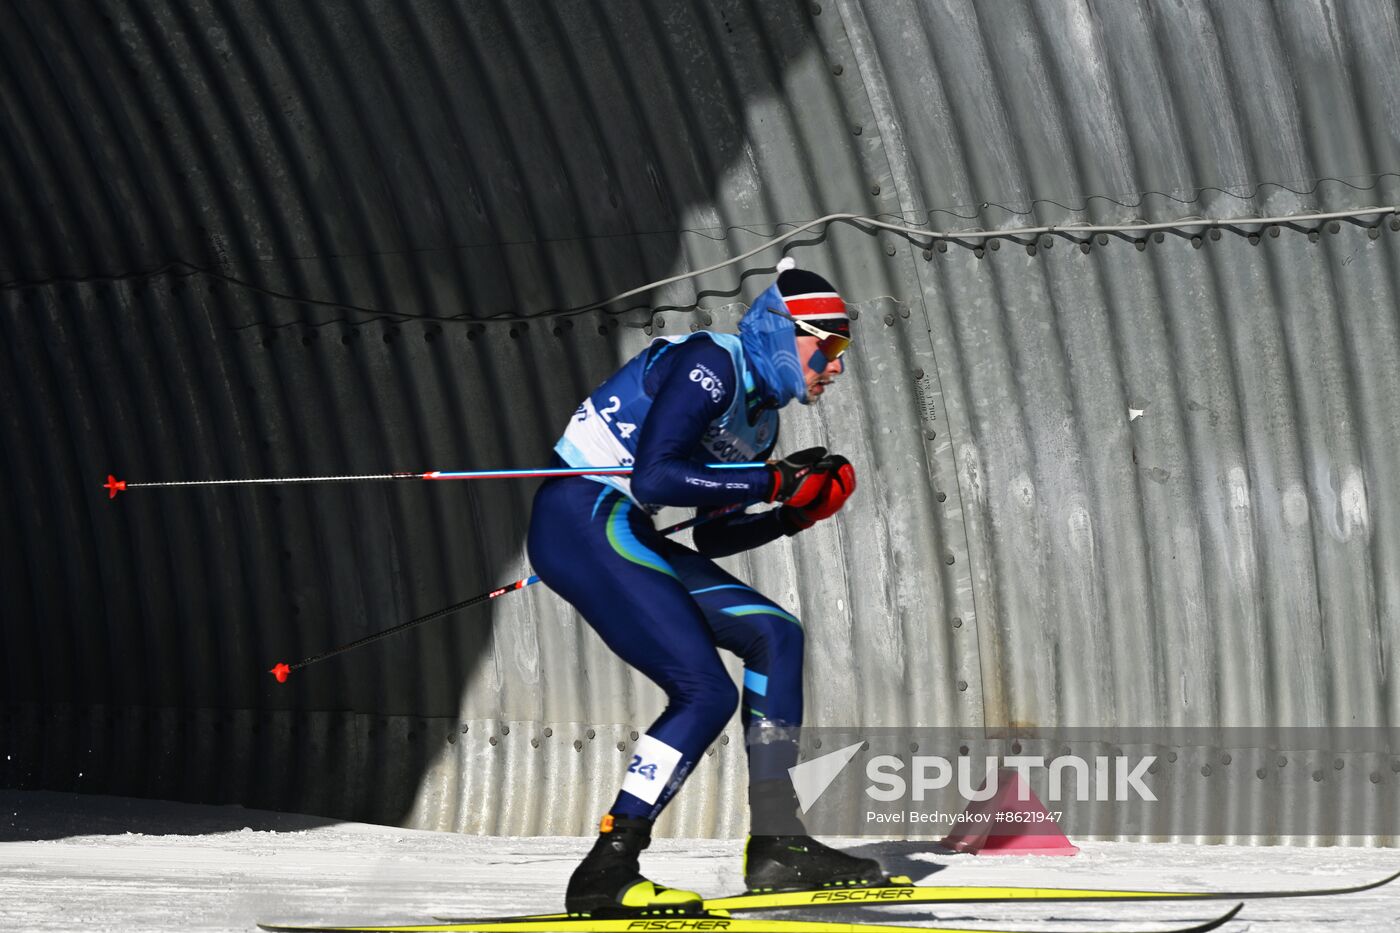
(387, 201)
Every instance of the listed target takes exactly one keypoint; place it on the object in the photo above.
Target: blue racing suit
(663, 607)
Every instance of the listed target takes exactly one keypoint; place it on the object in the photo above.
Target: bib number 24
(623, 427)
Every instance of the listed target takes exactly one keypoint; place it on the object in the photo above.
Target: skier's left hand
(840, 486)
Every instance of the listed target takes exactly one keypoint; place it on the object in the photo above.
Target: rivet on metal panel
(1215, 233)
(1317, 775)
(1334, 227)
(1254, 239)
(889, 247)
(918, 373)
(857, 129)
(1314, 236)
(622, 746)
(957, 621)
(451, 739)
(548, 732)
(1395, 224)
(962, 686)
(1196, 242)
(578, 745)
(1395, 767)
(1282, 761)
(948, 559)
(1171, 757)
(928, 254)
(930, 434)
(837, 69)
(941, 246)
(816, 9)
(1015, 748)
(854, 313)
(591, 734)
(465, 729)
(1046, 242)
(1260, 774)
(493, 740)
(942, 497)
(1373, 232)
(816, 743)
(1030, 249)
(1273, 231)
(995, 245)
(515, 333)
(904, 311)
(534, 742)
(1084, 247)
(979, 251)
(1158, 237)
(646, 329)
(724, 740)
(1338, 764)
(659, 322)
(633, 735)
(1205, 770)
(1375, 777)
(1225, 759)
(505, 730)
(874, 189)
(1140, 244)
(889, 320)
(1103, 239)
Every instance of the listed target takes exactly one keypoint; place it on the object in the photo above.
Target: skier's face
(816, 381)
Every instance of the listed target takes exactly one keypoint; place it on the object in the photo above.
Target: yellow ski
(701, 923)
(899, 891)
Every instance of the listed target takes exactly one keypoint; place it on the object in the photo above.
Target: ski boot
(608, 882)
(789, 863)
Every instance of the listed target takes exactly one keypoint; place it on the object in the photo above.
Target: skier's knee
(716, 702)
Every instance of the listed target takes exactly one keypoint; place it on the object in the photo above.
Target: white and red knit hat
(812, 299)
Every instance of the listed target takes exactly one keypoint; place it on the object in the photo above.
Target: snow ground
(76, 862)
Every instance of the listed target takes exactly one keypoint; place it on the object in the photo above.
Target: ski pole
(282, 670)
(114, 485)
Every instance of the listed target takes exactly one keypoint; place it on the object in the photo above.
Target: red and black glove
(839, 485)
(794, 477)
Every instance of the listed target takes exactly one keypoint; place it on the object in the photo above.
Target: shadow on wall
(436, 163)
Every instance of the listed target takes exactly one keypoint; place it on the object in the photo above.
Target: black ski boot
(609, 882)
(787, 863)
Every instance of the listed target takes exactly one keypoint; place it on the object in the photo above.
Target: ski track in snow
(76, 862)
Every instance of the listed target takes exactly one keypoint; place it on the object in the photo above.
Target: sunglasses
(829, 345)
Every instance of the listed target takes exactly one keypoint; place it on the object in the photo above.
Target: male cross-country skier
(680, 404)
